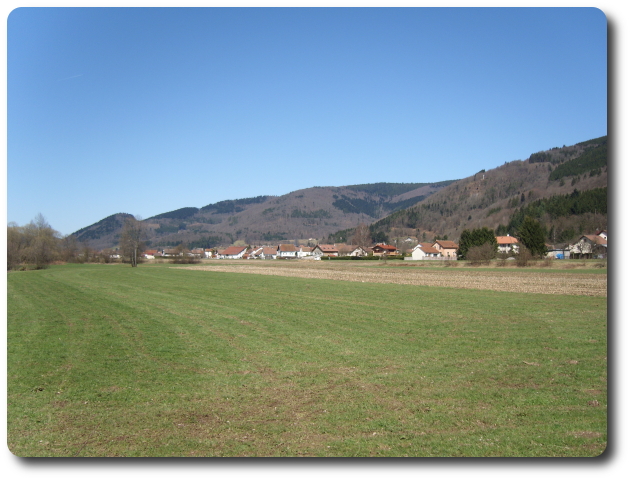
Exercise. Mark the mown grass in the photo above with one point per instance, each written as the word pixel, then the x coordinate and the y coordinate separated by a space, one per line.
pixel 153 361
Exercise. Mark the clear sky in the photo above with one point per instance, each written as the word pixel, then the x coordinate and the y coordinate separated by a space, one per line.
pixel 145 111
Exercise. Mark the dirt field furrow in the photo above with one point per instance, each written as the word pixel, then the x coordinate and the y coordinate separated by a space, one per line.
pixel 553 283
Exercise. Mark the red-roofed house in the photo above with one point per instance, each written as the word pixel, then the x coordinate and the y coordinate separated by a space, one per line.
pixel 232 252
pixel 381 249
pixel 507 243
pixel 589 246
pixel 287 251
pixel 325 251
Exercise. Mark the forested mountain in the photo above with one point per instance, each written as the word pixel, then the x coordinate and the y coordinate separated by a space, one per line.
pixel 312 213
pixel 565 188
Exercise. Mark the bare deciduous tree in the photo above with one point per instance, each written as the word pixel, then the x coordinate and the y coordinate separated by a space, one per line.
pixel 362 236
pixel 68 248
pixel 42 242
pixel 131 240
pixel 35 244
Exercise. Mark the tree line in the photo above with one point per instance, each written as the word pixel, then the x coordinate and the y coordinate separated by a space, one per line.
pixel 37 245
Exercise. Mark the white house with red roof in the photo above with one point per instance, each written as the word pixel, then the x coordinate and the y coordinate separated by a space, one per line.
pixel 269 253
pixel 590 246
pixel 507 244
pixel 287 251
pixel 232 252
pixel 425 251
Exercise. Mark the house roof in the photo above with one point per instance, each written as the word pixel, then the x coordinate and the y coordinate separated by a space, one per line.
pixel 390 248
pixel 306 249
pixel 269 251
pixel 506 240
pixel 287 248
pixel 348 248
pixel 446 244
pixel 427 248
pixel 328 248
pixel 596 239
pixel 233 250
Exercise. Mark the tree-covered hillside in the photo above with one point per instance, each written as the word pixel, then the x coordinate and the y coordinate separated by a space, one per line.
pixel 494 198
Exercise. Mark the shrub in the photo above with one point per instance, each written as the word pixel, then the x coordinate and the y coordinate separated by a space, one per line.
pixel 185 260
pixel 547 262
pixel 524 257
pixel 481 254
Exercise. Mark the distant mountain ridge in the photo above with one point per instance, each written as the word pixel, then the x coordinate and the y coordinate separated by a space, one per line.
pixel 300 215
pixel 496 198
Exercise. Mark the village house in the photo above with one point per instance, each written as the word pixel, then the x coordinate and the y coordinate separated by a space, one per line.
pixel 287 251
pixel 424 251
pixel 324 250
pixel 589 246
pixel 380 249
pixel 447 248
pixel 507 244
pixel 269 253
pixel 232 253
pixel 304 251
pixel 351 251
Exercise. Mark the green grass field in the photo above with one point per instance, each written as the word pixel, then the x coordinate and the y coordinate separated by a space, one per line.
pixel 106 360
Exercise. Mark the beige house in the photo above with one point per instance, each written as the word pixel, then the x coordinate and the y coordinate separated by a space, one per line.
pixel 447 248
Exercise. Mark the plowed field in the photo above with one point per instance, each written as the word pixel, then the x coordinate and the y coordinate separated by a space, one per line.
pixel 520 281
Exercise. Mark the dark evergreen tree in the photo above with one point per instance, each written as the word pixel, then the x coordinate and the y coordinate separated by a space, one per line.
pixel 532 236
pixel 476 238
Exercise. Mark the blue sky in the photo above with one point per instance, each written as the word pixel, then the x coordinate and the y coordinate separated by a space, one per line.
pixel 149 110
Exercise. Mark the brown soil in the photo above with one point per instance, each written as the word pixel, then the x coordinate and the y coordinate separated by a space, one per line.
pixel 519 281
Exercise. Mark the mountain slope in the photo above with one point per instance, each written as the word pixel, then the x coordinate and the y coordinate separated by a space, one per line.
pixel 309 213
pixel 493 198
